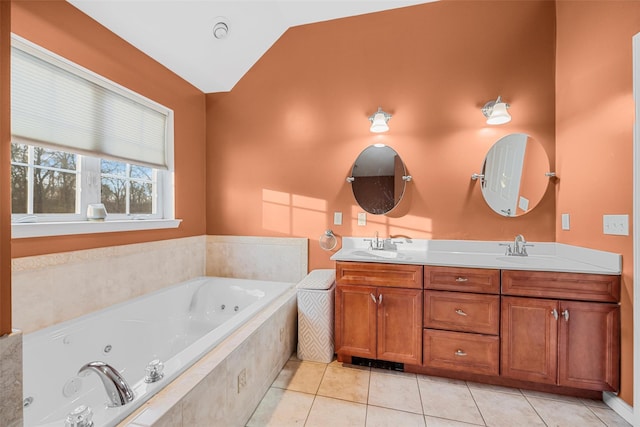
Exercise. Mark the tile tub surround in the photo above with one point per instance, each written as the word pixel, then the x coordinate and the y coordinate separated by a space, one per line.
pixel 208 393
pixel 280 259
pixel 11 379
pixel 50 289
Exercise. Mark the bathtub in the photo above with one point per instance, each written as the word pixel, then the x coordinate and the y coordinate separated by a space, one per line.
pixel 177 325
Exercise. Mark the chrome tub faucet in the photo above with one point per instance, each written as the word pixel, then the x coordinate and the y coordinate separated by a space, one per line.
pixel 115 385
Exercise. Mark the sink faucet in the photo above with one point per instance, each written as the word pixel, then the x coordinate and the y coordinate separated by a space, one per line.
pixel 116 387
pixel 520 246
pixel 376 243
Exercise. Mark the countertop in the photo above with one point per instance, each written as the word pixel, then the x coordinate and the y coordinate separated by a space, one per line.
pixel 542 256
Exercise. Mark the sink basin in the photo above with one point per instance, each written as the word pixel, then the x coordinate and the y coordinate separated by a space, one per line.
pixel 526 260
pixel 377 254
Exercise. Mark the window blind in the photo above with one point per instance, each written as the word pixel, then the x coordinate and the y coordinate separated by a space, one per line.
pixel 61 105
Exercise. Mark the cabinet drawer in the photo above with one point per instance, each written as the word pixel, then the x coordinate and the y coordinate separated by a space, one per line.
pixel 575 286
pixel 373 274
pixel 459 351
pixel 462 279
pixel 463 312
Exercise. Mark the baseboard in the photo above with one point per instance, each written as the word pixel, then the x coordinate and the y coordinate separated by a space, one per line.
pixel 621 407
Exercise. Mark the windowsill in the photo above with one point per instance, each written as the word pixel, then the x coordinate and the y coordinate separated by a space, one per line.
pixel 43 229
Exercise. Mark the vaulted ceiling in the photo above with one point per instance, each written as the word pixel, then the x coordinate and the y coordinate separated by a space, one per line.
pixel 179 33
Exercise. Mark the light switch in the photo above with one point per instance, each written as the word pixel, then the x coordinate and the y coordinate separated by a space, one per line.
pixel 615 224
pixel 565 222
pixel 337 218
pixel 362 218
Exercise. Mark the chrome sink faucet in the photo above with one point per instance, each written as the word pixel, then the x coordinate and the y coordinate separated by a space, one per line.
pixel 115 385
pixel 519 247
pixel 376 243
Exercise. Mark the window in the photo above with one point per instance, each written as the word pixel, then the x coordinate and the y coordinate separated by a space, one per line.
pixel 43 181
pixel 80 139
pixel 48 184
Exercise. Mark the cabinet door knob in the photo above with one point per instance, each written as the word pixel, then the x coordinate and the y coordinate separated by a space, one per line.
pixel 373 297
pixel 460 312
pixel 461 279
pixel 380 299
pixel 554 312
pixel 460 352
pixel 565 314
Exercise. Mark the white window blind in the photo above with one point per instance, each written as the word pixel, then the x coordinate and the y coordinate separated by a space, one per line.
pixel 61 105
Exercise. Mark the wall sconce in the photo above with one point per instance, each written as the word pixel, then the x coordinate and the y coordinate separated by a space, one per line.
pixel 496 112
pixel 379 121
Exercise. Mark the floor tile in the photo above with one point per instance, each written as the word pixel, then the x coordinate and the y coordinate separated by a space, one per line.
pixel 346 383
pixel 501 409
pixel 282 408
pixel 561 413
pixel 492 387
pixel 442 422
pixel 609 417
pixel 450 401
pixel 594 403
pixel 336 413
pixel 385 417
pixel 440 380
pixel 543 395
pixel 394 392
pixel 300 376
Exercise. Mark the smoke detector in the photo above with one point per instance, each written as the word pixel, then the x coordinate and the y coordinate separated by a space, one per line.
pixel 221 29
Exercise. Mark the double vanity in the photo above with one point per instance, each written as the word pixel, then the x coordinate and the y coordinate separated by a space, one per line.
pixel 544 316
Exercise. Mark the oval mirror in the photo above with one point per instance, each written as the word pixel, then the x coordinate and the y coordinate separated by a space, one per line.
pixel 378 179
pixel 514 175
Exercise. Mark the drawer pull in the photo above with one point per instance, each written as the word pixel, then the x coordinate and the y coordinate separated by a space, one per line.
pixel 554 313
pixel 565 314
pixel 373 298
pixel 380 299
pixel 461 279
pixel 460 353
pixel 460 312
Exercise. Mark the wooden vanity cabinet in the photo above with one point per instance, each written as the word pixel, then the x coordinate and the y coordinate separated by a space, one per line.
pixel 378 312
pixel 572 342
pixel 462 319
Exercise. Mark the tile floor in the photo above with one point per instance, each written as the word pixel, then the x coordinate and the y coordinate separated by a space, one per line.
pixel 332 395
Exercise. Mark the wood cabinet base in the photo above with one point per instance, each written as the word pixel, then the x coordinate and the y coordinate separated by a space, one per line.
pixel 505 382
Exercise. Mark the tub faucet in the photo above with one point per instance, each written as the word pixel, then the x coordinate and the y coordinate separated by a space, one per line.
pixel 116 387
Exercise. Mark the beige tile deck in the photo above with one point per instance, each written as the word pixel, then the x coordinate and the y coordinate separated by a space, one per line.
pixel 314 394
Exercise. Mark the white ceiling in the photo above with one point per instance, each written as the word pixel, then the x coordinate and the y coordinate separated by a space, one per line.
pixel 179 33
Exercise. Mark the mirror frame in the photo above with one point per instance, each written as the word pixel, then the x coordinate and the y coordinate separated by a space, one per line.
pixel 515 175
pixel 378 179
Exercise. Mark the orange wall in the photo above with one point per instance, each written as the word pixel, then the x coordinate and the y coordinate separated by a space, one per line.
pixel 61 28
pixel 5 175
pixel 594 136
pixel 282 142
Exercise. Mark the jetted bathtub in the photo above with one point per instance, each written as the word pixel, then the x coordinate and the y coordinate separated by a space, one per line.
pixel 176 326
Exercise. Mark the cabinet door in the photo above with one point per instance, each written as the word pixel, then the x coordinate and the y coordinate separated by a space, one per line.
pixel 356 321
pixel 589 345
pixel 400 325
pixel 529 339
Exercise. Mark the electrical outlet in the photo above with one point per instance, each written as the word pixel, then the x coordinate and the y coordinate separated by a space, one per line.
pixel 242 380
pixel 615 224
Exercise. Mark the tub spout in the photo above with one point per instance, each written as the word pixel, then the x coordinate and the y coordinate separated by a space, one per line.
pixel 116 387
